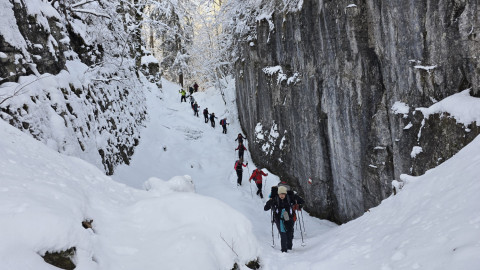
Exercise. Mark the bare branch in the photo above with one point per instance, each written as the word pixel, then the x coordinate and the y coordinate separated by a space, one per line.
pixel 18 90
pixel 230 246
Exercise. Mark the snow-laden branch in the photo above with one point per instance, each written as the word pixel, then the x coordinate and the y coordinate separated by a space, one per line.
pixel 84 2
pixel 110 79
pixel 90 12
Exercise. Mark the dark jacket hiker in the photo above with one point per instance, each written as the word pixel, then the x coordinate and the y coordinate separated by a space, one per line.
pixel 205 114
pixel 282 206
pixel 238 168
pixel 195 109
pixel 240 149
pixel 240 138
pixel 212 119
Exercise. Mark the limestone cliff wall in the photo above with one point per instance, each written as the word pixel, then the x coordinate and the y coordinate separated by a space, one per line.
pixel 316 88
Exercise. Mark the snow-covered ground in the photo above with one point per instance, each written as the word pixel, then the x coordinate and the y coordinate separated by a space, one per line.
pixel 144 222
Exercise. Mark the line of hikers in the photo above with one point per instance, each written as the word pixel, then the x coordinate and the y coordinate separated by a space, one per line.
pixel 283 203
pixel 195 107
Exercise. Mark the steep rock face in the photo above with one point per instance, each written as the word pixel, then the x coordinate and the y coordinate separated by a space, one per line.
pixel 316 86
pixel 69 75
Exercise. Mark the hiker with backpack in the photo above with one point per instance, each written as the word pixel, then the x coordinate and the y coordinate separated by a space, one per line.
pixel 212 119
pixel 238 168
pixel 282 204
pixel 240 149
pixel 190 90
pixel 184 97
pixel 257 178
pixel 224 124
pixel 205 114
pixel 195 109
pixel 240 138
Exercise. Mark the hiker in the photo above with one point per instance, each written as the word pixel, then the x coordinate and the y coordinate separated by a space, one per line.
pixel 240 138
pixel 195 109
pixel 240 149
pixel 238 168
pixel 184 97
pixel 195 85
pixel 282 205
pixel 257 178
pixel 190 89
pixel 205 114
pixel 192 101
pixel 224 124
pixel 212 119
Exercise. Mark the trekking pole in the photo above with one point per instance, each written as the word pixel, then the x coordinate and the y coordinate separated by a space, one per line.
pixel 251 192
pixel 301 232
pixel 264 184
pixel 273 237
pixel 301 213
pixel 250 182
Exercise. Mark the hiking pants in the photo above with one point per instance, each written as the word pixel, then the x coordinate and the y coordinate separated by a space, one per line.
pixel 259 191
pixel 183 98
pixel 196 113
pixel 286 238
pixel 240 154
pixel 212 122
pixel 290 237
pixel 206 118
pixel 224 129
pixel 239 176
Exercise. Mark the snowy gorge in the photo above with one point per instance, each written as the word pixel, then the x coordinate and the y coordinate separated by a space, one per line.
pixel 192 220
pixel 102 165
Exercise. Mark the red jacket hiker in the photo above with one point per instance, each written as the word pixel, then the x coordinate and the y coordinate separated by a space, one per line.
pixel 257 176
pixel 241 147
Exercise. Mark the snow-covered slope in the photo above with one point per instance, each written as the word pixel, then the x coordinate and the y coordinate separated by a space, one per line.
pixel 45 196
pixel 433 223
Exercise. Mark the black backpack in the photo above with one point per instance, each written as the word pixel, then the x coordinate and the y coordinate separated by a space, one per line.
pixel 238 166
pixel 274 192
